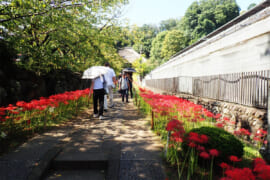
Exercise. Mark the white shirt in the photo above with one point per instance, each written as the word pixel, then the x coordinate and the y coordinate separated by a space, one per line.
pixel 109 77
pixel 98 83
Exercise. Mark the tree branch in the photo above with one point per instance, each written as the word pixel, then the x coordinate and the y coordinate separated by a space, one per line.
pixel 17 16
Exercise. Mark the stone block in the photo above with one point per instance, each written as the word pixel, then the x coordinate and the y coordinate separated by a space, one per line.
pixel 236 108
pixel 243 117
pixel 226 111
pixel 260 114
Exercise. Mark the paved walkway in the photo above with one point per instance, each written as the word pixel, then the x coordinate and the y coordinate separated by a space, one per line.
pixel 120 147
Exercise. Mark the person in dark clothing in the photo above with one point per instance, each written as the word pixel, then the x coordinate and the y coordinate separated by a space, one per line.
pixel 130 80
pixel 124 87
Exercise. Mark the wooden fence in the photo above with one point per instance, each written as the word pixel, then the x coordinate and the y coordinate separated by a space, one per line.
pixel 247 88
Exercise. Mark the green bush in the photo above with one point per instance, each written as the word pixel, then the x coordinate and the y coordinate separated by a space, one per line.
pixel 226 143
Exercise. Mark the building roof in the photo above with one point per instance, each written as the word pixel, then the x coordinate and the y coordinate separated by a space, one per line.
pixel 130 54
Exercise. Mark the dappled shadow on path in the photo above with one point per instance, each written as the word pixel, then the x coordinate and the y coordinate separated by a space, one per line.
pixel 122 145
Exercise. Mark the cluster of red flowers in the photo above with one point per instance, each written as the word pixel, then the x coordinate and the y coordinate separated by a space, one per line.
pixel 177 129
pixel 260 170
pixel 167 104
pixel 196 140
pixel 225 121
pixel 242 132
pixel 260 136
pixel 41 104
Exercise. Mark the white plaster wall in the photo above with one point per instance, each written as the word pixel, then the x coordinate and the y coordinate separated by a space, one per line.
pixel 243 47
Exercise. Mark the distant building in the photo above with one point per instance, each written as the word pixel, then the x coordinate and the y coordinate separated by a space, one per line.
pixel 130 54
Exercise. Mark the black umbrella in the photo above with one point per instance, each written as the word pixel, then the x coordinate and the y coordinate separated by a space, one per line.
pixel 129 70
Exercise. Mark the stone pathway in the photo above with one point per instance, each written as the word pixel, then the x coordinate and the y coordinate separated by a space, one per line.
pixel 120 147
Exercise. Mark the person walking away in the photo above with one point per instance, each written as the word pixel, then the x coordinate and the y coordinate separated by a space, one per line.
pixel 130 80
pixel 118 83
pixel 98 91
pixel 123 87
pixel 111 81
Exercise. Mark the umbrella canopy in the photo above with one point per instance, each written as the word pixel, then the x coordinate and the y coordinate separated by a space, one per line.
pixel 129 70
pixel 95 71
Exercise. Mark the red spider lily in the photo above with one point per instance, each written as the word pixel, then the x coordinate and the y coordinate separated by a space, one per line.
pixel 261 169
pixel 226 119
pixel 213 152
pixel 261 133
pixel 217 116
pixel 200 148
pixel 201 119
pixel 224 165
pixel 11 107
pixel 20 103
pixel 242 131
pixel 245 131
pixel 220 125
pixel 196 138
pixel 192 145
pixel 209 114
pixel 178 133
pixel 14 112
pixel 174 125
pixel 235 159
pixel 2 113
pixel 237 174
pixel 178 139
pixel 204 138
pixel 204 155
pixel 257 139
pixel 2 119
pixel 225 178
pixel 258 161
pixel 193 120
pixel 192 136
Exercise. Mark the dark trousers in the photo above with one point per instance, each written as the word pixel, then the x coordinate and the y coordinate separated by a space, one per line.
pixel 98 99
pixel 130 90
pixel 124 92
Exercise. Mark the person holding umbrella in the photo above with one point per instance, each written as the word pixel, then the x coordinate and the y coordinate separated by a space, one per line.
pixel 124 86
pixel 97 88
pixel 98 91
pixel 129 72
pixel 130 80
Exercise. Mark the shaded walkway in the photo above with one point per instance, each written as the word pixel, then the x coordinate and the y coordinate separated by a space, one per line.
pixel 120 147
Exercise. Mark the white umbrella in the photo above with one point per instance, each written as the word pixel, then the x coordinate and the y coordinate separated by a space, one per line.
pixel 95 71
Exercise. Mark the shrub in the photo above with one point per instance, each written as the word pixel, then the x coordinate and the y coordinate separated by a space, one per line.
pixel 226 143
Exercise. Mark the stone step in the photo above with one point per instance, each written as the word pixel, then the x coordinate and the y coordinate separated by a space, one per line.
pixel 76 159
pixel 76 175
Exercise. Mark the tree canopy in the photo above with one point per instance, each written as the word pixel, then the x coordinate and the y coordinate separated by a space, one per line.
pixel 204 16
pixel 58 34
pixel 143 37
pixel 201 18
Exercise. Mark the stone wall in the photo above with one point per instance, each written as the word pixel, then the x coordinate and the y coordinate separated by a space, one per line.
pixel 240 116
